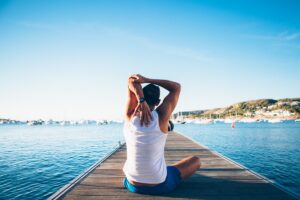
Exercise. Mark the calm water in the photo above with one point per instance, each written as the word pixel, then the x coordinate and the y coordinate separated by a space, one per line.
pixel 272 150
pixel 36 161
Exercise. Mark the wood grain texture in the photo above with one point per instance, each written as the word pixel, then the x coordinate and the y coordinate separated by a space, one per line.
pixel 218 178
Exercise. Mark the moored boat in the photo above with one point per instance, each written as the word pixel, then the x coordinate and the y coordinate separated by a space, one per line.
pixel 248 120
pixel 274 120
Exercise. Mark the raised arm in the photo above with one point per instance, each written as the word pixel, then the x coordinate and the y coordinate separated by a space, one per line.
pixel 132 101
pixel 170 101
pixel 135 93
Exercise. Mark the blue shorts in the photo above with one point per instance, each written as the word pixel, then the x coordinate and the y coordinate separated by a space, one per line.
pixel 172 181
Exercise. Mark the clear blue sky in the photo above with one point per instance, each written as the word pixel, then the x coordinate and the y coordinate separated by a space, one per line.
pixel 71 59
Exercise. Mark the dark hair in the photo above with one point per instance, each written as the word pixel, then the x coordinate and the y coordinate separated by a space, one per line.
pixel 151 94
pixel 170 126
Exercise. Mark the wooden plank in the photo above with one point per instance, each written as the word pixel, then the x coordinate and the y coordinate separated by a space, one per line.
pixel 218 177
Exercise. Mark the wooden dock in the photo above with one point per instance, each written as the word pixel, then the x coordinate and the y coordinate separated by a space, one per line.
pixel 218 177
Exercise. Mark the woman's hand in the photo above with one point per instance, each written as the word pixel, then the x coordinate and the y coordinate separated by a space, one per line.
pixel 139 78
pixel 144 113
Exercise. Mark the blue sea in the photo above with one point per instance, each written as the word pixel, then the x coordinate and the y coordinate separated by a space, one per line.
pixel 35 161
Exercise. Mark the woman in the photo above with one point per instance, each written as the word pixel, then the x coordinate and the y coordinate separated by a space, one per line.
pixel 145 132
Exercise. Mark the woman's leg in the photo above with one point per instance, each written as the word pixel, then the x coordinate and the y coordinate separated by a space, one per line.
pixel 188 166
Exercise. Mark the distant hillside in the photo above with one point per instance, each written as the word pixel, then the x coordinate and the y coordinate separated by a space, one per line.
pixel 268 108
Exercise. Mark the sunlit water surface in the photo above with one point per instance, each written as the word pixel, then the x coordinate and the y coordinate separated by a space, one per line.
pixel 272 150
pixel 35 161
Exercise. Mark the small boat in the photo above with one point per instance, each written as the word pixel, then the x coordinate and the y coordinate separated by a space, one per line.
pixel 218 120
pixel 274 120
pixel 248 120
pixel 34 123
pixel 179 119
pixel 297 120
pixel 64 123
pixel 228 121
pixel 204 121
pixel 188 121
pixel 73 123
pixel 49 122
pixel 102 122
pixel 83 122
pixel 30 123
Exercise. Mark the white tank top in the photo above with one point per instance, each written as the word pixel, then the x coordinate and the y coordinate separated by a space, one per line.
pixel 145 151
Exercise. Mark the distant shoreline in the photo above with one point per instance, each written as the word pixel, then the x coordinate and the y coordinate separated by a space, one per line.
pixel 261 109
pixel 248 111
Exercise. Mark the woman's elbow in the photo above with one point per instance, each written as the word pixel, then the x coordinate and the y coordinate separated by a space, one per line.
pixel 178 87
pixel 130 80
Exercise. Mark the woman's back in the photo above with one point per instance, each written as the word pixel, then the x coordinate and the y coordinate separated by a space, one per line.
pixel 145 151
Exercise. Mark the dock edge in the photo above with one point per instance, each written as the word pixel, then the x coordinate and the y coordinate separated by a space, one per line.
pixel 66 188
pixel 272 182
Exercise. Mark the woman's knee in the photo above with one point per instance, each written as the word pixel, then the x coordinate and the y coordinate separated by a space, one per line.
pixel 196 161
